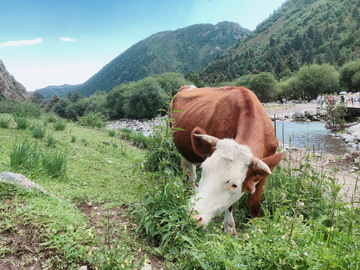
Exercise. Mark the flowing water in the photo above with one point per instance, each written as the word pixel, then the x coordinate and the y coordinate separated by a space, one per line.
pixel 312 135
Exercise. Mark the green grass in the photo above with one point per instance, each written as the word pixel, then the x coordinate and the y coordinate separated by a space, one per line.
pixel 109 213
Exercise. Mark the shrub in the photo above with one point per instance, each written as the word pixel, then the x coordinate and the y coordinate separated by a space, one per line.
pixel 55 164
pixel 22 122
pixel 91 120
pixel 38 130
pixel 50 140
pixel 5 121
pixel 60 124
pixel 27 109
pixel 111 132
pixel 140 140
pixel 50 118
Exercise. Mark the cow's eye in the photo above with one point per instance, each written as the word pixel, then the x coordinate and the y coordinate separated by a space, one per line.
pixel 234 185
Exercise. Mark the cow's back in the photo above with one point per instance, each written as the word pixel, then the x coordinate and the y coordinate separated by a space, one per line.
pixel 226 112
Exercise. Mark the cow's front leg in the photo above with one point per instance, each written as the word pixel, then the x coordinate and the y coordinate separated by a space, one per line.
pixel 229 223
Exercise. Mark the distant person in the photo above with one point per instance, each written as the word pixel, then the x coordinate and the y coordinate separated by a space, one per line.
pixel 331 100
pixel 309 99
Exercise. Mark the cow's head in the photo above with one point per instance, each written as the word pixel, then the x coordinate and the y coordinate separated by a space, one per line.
pixel 225 173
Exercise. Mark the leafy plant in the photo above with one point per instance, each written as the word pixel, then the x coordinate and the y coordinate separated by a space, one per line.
pixel 140 140
pixel 22 122
pixel 111 132
pixel 60 124
pixel 51 140
pixel 5 121
pixel 91 120
pixel 38 130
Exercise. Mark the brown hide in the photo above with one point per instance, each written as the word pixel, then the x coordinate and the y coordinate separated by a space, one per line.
pixel 226 112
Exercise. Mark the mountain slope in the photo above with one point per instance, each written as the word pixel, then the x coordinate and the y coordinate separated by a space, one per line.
pixel 9 87
pixel 60 90
pixel 170 51
pixel 301 32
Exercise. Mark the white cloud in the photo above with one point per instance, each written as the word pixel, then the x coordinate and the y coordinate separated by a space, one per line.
pixel 67 39
pixel 21 42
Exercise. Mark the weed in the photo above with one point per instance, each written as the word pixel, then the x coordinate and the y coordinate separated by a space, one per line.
pixel 50 117
pixel 73 138
pixel 140 140
pixel 5 121
pixel 22 122
pixel 38 130
pixel 91 120
pixel 51 140
pixel 55 164
pixel 111 132
pixel 84 141
pixel 60 124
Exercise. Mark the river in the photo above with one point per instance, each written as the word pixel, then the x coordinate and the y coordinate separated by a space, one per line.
pixel 309 134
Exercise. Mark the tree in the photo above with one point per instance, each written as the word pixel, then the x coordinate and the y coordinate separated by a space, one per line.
pixel 347 72
pixel 263 85
pixel 38 97
pixel 195 78
pixel 318 79
pixel 75 97
pixel 297 42
pixel 292 63
pixel 55 99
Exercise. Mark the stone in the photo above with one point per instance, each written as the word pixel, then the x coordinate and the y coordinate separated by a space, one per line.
pixel 281 117
pixel 354 129
pixel 84 267
pixel 355 168
pixel 310 113
pixel 299 114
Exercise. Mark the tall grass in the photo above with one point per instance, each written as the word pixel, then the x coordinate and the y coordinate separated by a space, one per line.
pixel 22 122
pixel 30 157
pixel 5 121
pixel 304 222
pixel 38 130
pixel 60 124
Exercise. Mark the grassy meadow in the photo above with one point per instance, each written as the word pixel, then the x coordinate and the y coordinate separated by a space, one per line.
pixel 110 205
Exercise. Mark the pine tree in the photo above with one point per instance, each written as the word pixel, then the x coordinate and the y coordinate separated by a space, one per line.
pixel 267 67
pixel 329 56
pixel 292 63
pixel 310 56
pixel 297 42
pixel 280 66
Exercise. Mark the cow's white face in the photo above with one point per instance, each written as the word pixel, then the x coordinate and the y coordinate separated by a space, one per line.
pixel 223 174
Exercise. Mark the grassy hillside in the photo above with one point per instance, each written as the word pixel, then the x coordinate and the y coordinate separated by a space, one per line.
pixel 171 51
pixel 301 32
pixel 107 212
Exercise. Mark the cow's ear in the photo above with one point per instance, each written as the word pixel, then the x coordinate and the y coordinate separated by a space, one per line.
pixel 201 147
pixel 271 161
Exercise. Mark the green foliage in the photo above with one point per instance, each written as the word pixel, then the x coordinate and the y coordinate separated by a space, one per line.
pixel 140 140
pixel 22 122
pixel 171 51
pixel 298 33
pixel 26 109
pixel 60 124
pixel 318 79
pixel 111 132
pixel 349 75
pixel 31 157
pixel 162 154
pixel 51 140
pixel 194 78
pixel 263 85
pixel 55 164
pixel 38 130
pixel 145 100
pixel 5 121
pixel 91 120
pixel 335 117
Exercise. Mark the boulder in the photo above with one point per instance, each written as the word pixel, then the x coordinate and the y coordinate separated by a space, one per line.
pixel 299 114
pixel 354 129
pixel 310 113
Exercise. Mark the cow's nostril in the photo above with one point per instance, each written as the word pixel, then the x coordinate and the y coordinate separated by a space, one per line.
pixel 199 219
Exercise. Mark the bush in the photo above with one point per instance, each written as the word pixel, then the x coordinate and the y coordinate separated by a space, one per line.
pixel 55 164
pixel 50 140
pixel 111 132
pixel 22 122
pixel 140 140
pixel 5 121
pixel 27 109
pixel 60 124
pixel 91 120
pixel 38 130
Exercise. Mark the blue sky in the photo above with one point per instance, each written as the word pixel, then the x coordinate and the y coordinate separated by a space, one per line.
pixel 53 42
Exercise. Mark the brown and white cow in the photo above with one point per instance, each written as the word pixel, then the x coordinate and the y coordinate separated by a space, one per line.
pixel 229 132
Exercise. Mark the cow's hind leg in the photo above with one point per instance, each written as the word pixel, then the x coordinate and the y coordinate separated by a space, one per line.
pixel 229 223
pixel 192 168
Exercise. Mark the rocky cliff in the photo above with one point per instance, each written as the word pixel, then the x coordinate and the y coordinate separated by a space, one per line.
pixel 9 87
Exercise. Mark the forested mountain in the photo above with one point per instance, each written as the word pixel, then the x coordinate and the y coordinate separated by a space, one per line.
pixel 301 32
pixel 61 90
pixel 178 51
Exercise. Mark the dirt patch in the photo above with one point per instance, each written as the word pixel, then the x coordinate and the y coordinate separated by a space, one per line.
pixel 114 218
pixel 21 247
pixel 276 108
